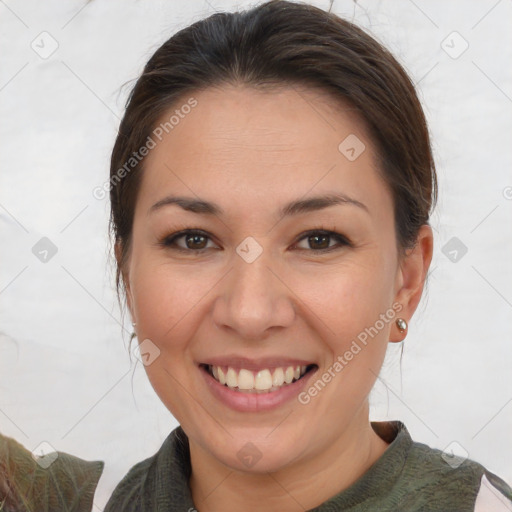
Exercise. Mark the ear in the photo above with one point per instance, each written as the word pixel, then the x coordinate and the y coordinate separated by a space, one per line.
pixel 410 278
pixel 118 250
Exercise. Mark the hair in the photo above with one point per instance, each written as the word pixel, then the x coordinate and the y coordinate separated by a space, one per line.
pixel 276 44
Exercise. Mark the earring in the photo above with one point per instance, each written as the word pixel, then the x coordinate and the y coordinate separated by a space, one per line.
pixel 401 324
pixel 134 324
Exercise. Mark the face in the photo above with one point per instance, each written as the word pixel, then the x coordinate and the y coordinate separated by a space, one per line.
pixel 256 286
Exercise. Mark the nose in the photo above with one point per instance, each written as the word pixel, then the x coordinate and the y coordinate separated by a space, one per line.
pixel 254 300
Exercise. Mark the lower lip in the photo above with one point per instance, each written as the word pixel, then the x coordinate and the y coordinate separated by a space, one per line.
pixel 255 402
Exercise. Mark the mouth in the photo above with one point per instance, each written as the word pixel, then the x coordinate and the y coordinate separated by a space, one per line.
pixel 259 381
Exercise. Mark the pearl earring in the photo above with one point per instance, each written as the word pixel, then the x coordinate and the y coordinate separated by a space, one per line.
pixel 401 324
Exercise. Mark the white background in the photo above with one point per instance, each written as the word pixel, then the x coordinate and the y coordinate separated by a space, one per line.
pixel 65 371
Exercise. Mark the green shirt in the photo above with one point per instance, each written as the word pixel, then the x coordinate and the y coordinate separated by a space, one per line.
pixel 409 476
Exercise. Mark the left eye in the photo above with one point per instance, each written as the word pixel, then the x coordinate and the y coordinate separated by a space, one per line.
pixel 320 240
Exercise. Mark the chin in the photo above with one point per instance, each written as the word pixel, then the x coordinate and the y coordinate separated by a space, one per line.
pixel 256 451
pixel 250 459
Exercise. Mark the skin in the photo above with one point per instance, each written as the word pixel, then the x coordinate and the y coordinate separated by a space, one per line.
pixel 251 152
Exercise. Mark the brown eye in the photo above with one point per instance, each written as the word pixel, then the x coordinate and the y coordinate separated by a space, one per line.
pixel 321 241
pixel 187 241
pixel 195 241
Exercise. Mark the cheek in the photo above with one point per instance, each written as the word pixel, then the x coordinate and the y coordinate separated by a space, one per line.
pixel 166 302
pixel 355 337
pixel 170 302
pixel 347 298
pixel 163 298
pixel 349 303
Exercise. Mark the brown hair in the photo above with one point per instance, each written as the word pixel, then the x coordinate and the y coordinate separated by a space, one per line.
pixel 279 43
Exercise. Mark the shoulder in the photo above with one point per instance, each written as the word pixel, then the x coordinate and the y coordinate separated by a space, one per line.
pixel 493 495
pixel 415 477
pixel 444 481
pixel 147 484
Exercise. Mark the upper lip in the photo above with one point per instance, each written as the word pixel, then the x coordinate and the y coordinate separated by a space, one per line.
pixel 236 361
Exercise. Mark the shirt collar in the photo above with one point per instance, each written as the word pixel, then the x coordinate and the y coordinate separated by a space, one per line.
pixel 171 471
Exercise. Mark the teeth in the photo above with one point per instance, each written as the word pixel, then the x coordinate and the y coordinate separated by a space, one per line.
pixel 231 378
pixel 246 380
pixel 263 381
pixel 278 377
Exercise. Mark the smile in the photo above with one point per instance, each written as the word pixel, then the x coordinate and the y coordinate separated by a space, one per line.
pixel 265 380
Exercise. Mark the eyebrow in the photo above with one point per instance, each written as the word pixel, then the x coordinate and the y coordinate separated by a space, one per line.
pixel 298 207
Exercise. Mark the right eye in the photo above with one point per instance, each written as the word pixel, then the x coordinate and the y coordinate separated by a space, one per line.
pixel 195 241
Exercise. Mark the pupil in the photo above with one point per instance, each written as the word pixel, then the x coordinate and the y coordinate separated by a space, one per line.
pixel 316 237
pixel 195 239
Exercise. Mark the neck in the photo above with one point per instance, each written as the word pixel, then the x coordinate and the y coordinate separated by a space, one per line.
pixel 304 485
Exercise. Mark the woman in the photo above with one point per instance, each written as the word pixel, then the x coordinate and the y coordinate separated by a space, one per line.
pixel 271 186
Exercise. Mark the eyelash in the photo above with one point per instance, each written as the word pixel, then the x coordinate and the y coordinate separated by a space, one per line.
pixel 170 241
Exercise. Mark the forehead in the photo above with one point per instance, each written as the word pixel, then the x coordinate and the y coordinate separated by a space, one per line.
pixel 258 148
